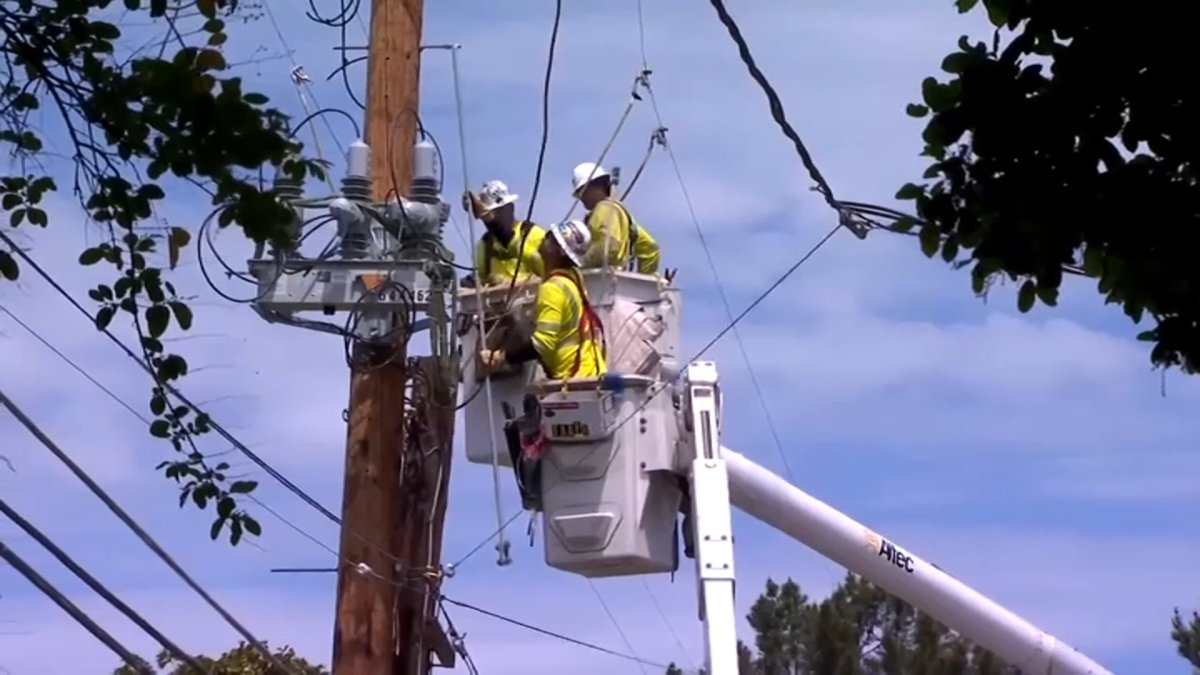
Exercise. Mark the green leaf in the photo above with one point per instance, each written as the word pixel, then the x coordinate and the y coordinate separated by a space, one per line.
pixel 8 266
pixel 243 487
pixel 235 532
pixel 254 98
pixel 936 95
pixel 930 239
pixel 210 59
pixel 183 314
pixel 176 240
pixel 91 256
pixel 158 317
pixel 956 63
pixel 965 6
pixel 909 192
pixel 950 248
pixel 151 191
pixel 1048 295
pixel 916 110
pixel 105 316
pixel 17 217
pixel 251 525
pixel 160 429
pixel 226 506
pixel 215 530
pixel 1026 296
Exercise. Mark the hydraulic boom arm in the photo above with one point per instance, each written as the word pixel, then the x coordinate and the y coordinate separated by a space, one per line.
pixel 840 538
pixel 720 477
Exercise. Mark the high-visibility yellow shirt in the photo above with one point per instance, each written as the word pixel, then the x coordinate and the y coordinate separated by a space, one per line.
pixel 497 265
pixel 611 222
pixel 556 335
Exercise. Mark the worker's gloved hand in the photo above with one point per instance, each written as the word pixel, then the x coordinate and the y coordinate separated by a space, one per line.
pixel 471 204
pixel 669 274
pixel 491 360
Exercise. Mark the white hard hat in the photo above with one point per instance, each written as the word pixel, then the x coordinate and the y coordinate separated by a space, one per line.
pixel 574 238
pixel 586 173
pixel 495 194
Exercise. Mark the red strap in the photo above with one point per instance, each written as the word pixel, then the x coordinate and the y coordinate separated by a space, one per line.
pixel 589 321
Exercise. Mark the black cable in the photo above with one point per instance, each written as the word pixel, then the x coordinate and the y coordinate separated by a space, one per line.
pixel 133 526
pixel 537 177
pixel 99 588
pixel 777 111
pixel 325 111
pixel 9 556
pixel 174 391
pixel 550 633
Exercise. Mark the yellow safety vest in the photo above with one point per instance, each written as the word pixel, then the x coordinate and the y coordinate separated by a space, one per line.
pixel 497 263
pixel 567 333
pixel 629 244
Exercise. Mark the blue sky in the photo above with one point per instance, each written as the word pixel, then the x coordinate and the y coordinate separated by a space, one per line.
pixel 1035 457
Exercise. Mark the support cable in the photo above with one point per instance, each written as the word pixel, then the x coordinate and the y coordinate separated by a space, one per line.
pixel 10 556
pixel 557 636
pixel 502 546
pixel 99 588
pixel 617 624
pixel 129 522
pixel 712 266
pixel 687 658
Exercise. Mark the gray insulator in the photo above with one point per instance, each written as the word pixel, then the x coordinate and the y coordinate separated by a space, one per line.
pixel 355 244
pixel 425 190
pixel 356 188
pixel 288 188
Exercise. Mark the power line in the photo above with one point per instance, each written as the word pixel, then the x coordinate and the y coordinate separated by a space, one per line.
pixel 98 587
pixel 132 524
pixel 69 607
pixel 550 633
pixel 777 111
pixel 617 624
pixel 177 393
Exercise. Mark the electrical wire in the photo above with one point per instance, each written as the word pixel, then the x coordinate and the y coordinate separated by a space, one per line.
pixel 175 391
pixel 27 571
pixel 537 178
pixel 777 111
pixel 670 626
pixel 553 634
pixel 99 588
pixel 133 526
pixel 326 111
pixel 617 624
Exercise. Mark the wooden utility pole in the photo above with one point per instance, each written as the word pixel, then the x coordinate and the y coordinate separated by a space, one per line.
pixel 365 631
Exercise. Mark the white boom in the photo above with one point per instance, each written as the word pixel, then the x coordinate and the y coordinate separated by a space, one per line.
pixel 721 477
pixel 840 538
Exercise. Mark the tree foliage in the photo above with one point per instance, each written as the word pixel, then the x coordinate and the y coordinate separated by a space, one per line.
pixel 858 630
pixel 1071 142
pixel 169 116
pixel 241 660
pixel 1186 635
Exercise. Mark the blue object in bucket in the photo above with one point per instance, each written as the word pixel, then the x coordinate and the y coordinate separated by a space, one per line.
pixel 614 382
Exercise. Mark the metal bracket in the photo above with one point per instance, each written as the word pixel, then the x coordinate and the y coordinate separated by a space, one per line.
pixel 331 286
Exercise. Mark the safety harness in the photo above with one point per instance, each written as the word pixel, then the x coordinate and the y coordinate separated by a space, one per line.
pixel 634 231
pixel 590 327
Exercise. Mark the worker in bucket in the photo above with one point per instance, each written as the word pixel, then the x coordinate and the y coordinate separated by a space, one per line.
pixel 617 239
pixel 568 338
pixel 508 250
